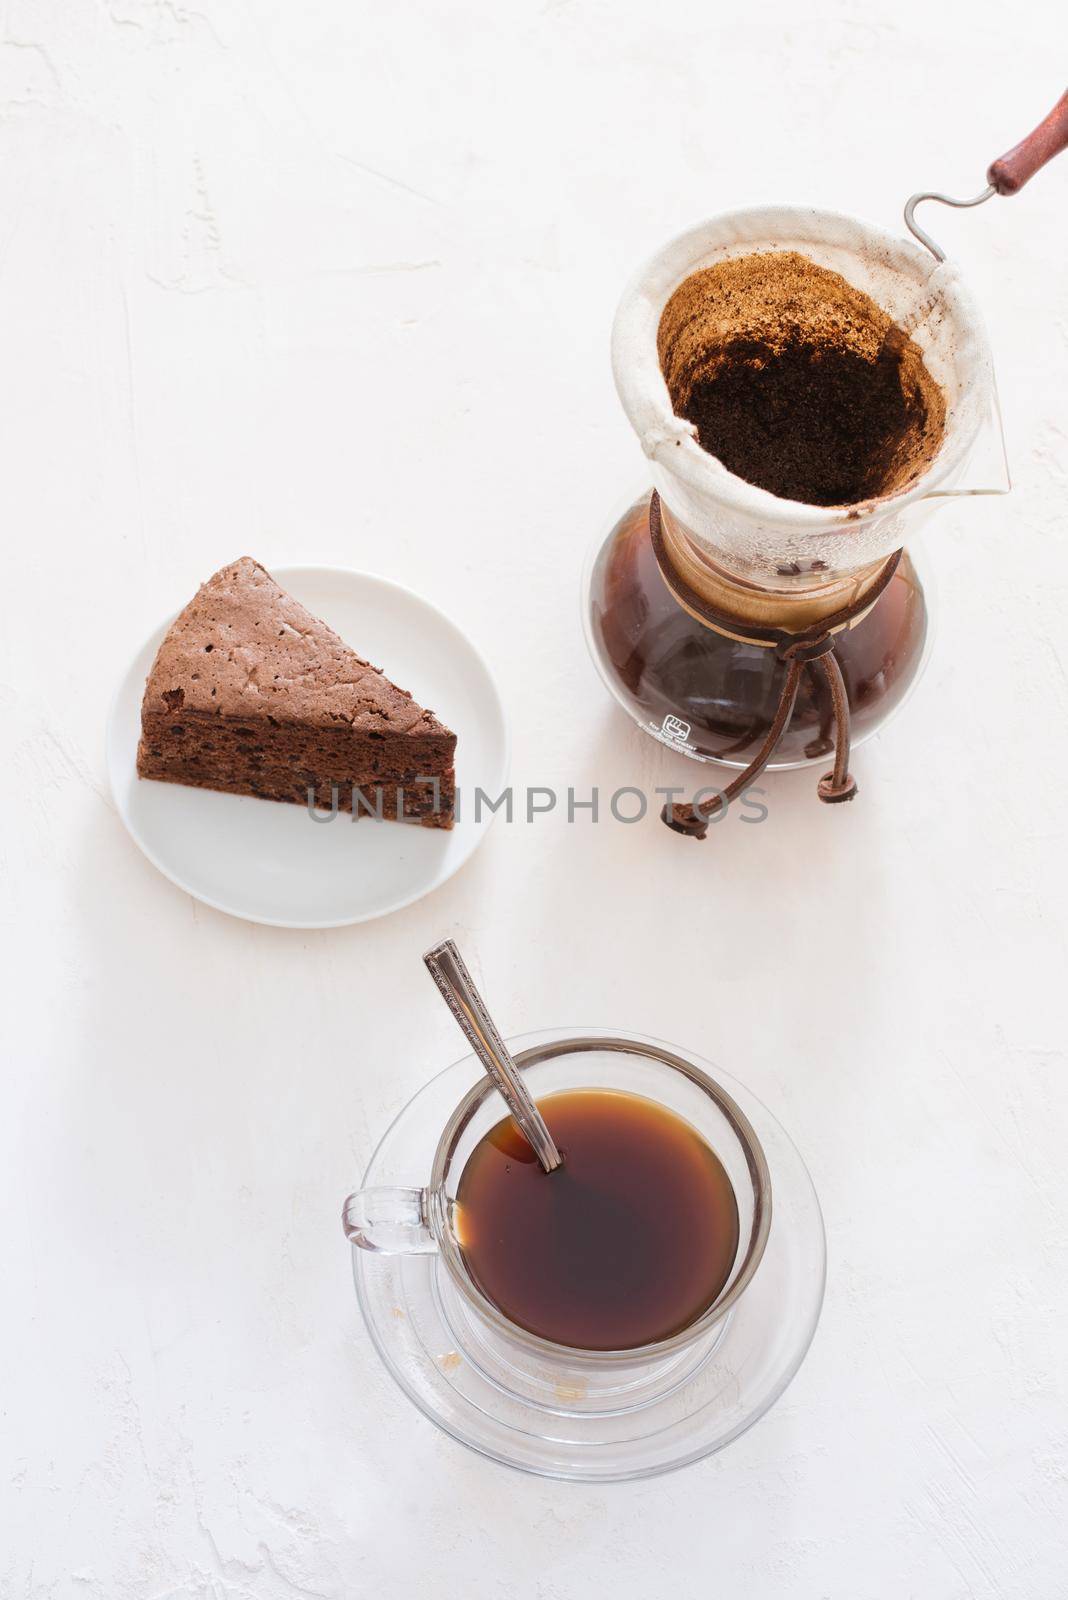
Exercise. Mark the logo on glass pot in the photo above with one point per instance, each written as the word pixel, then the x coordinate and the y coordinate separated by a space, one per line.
pixel 675 729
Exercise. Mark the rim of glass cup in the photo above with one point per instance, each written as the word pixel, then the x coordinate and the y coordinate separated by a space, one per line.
pixel 622 1044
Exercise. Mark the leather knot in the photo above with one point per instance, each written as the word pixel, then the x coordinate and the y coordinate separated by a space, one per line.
pixel 832 793
pixel 685 819
pixel 802 649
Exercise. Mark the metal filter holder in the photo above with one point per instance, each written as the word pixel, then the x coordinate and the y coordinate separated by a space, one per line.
pixel 1005 176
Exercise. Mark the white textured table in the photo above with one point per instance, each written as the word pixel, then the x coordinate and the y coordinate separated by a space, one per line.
pixel 334 282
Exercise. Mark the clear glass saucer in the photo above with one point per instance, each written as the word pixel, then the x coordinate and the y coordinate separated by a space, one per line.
pixel 648 1421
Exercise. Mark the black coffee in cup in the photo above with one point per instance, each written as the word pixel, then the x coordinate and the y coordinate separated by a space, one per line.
pixel 628 1243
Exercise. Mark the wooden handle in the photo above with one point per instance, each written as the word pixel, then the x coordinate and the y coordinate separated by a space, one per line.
pixel 1010 172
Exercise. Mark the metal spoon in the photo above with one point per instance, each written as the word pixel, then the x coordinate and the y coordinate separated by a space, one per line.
pixel 446 966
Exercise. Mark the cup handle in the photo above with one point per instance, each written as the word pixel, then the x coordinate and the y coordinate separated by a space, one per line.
pixel 389 1221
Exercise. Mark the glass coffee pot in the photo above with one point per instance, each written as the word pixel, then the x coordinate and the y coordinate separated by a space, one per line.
pixel 738 618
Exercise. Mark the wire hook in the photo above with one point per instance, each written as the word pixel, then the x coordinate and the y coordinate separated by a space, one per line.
pixel 946 200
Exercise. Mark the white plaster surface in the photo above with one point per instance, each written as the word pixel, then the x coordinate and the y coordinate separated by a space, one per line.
pixel 333 282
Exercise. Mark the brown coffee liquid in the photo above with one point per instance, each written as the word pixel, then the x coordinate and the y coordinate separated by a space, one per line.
pixel 627 1243
pixel 666 663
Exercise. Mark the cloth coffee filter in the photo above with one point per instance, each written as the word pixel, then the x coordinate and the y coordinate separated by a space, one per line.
pixel 754 533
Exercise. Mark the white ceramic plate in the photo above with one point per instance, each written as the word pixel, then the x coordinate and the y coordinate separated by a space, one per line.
pixel 269 862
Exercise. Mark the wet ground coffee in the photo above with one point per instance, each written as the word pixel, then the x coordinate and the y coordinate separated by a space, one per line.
pixel 797 381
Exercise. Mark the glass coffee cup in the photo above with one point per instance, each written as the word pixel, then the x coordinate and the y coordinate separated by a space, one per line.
pixel 420 1221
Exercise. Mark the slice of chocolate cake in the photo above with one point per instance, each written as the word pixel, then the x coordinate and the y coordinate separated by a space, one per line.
pixel 251 694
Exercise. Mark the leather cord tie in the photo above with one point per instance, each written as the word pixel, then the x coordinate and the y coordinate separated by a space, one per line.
pixel 810 650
